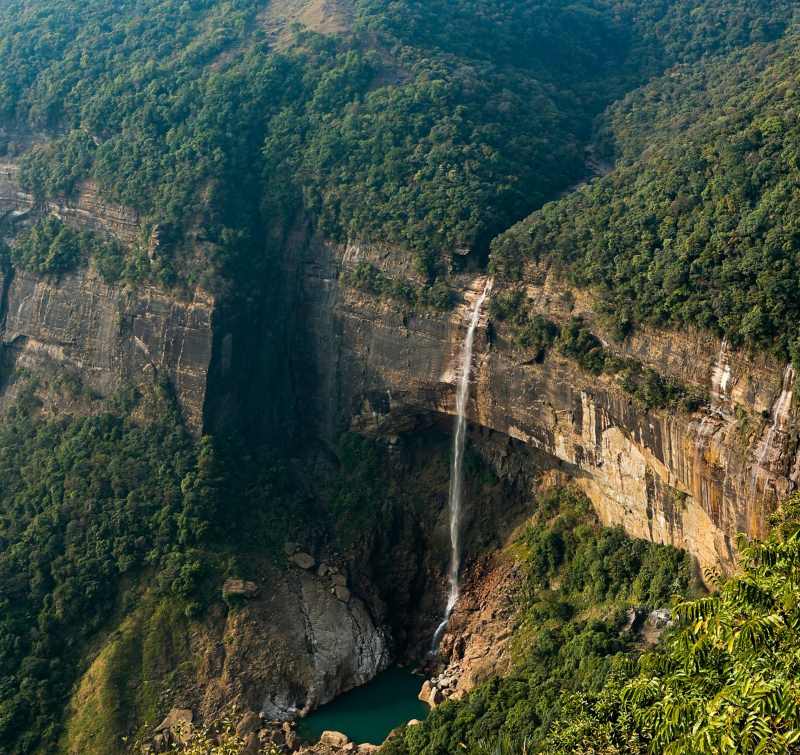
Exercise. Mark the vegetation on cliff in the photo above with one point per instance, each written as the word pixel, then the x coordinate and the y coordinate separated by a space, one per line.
pixel 727 679
pixel 50 247
pixel 369 278
pixel 86 504
pixel 579 581
pixel 700 228
pixel 724 679
pixel 574 340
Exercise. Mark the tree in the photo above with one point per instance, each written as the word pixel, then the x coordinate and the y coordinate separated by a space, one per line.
pixel 728 679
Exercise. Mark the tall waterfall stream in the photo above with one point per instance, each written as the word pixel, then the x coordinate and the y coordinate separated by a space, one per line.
pixel 457 463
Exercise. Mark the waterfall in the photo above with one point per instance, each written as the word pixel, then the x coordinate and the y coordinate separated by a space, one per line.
pixel 456 464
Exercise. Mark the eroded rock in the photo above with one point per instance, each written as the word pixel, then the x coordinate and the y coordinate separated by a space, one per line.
pixel 239 588
pixel 334 739
pixel 177 718
pixel 303 560
pixel 430 694
pixel 342 593
pixel 664 475
pixel 249 723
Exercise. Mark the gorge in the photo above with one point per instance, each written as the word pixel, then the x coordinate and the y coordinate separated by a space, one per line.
pixel 343 340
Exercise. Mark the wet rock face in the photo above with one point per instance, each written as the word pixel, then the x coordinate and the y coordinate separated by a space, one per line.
pixel 348 650
pixel 104 336
pixel 692 480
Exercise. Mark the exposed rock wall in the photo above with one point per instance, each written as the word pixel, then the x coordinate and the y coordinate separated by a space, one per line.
pixel 376 366
pixel 292 650
pixel 87 210
pixel 105 336
pixel 692 480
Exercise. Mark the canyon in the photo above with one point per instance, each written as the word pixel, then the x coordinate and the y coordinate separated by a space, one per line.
pixel 370 364
pixel 337 358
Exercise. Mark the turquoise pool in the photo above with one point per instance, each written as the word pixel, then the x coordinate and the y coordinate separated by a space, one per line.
pixel 369 713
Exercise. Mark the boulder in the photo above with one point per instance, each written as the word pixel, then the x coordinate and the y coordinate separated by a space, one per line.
pixel 414 722
pixel 250 723
pixel 366 749
pixel 430 694
pixel 342 593
pixel 661 618
pixel 252 745
pixel 303 560
pixel 177 718
pixel 334 739
pixel 239 588
pixel 290 548
pixel 340 580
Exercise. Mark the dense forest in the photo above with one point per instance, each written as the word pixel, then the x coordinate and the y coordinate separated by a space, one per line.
pixel 465 133
pixel 424 142
pixel 697 223
pixel 85 503
pixel 435 136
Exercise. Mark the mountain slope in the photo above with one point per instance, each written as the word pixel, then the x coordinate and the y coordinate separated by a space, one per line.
pixel 234 147
pixel 700 226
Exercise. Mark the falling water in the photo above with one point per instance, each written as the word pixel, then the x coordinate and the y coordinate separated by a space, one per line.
pixel 456 463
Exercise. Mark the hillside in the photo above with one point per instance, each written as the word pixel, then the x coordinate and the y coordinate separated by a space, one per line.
pixel 696 224
pixel 242 247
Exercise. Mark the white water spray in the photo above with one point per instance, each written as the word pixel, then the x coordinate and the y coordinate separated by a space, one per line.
pixel 456 464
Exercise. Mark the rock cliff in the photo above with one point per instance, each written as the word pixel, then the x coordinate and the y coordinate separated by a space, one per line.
pixel 103 336
pixel 690 479
pixel 296 647
pixel 288 646
pixel 347 359
pixel 370 364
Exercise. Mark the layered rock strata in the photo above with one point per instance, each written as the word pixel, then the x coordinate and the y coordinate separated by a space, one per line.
pixel 693 480
pixel 103 336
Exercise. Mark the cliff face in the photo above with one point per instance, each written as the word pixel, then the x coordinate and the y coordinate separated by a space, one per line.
pixel 292 649
pixel 103 336
pixel 375 366
pixel 692 480
pixel 318 357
